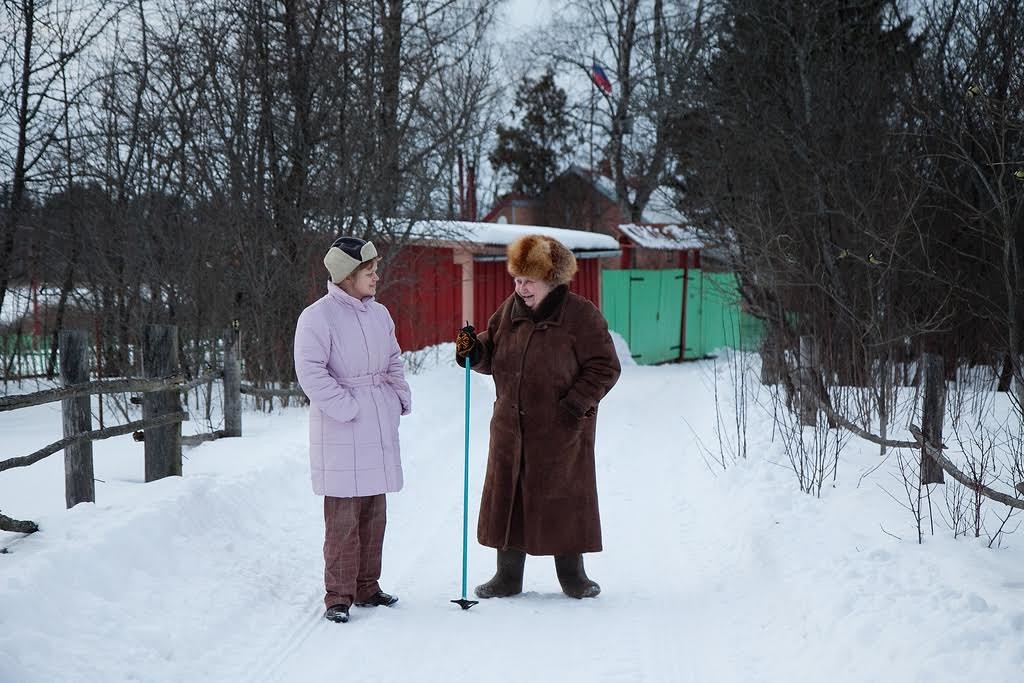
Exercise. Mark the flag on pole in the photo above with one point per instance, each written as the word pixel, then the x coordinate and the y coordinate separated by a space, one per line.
pixel 600 78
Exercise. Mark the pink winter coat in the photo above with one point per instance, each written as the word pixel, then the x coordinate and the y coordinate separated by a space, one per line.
pixel 347 361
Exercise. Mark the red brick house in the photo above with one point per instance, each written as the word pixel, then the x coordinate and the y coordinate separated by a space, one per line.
pixel 584 200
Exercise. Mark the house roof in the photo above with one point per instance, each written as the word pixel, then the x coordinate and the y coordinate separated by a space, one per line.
pixel 601 183
pixel 660 207
pixel 511 199
pixel 503 234
pixel 661 236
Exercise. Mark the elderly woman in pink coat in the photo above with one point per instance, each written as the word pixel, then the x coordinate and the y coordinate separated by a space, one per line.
pixel 348 363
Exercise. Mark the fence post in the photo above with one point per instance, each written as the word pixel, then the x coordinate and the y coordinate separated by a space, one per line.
pixel 76 414
pixel 232 383
pixel 163 444
pixel 772 359
pixel 932 413
pixel 808 366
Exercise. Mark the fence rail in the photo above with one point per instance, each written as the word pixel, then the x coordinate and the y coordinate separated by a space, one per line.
pixel 251 390
pixel 105 386
pixel 94 435
pixel 160 428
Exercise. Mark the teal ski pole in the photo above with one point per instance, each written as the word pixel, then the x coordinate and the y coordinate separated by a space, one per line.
pixel 463 602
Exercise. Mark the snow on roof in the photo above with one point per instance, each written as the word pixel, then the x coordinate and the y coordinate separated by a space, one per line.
pixel 661 236
pixel 661 207
pixel 503 234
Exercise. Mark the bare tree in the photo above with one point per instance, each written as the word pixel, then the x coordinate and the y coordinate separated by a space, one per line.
pixel 211 150
pixel 44 40
pixel 969 95
pixel 650 48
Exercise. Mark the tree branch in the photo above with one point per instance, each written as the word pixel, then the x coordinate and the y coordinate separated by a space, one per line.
pixel 17 526
pixel 951 469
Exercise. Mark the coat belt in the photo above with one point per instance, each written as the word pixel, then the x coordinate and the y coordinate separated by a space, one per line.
pixel 374 380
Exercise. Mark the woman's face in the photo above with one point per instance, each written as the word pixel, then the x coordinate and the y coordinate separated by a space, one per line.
pixel 362 283
pixel 532 291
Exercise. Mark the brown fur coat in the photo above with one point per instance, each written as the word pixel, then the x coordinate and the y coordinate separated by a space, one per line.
pixel 551 368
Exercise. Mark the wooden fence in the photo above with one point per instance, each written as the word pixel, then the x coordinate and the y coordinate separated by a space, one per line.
pixel 162 414
pixel 812 396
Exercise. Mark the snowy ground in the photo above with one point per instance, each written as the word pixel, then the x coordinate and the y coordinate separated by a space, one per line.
pixel 707 575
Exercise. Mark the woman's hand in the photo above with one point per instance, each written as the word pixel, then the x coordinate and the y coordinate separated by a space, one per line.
pixel 467 345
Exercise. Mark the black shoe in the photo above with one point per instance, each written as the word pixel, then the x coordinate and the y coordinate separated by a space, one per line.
pixel 338 614
pixel 378 599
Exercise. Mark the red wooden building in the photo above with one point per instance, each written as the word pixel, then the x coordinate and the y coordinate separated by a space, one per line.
pixel 455 272
pixel 658 247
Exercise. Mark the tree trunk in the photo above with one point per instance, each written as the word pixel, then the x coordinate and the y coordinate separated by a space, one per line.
pixel 772 359
pixel 933 412
pixel 808 367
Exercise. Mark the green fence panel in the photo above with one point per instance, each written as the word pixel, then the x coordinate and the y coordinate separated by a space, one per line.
pixel 31 354
pixel 669 318
pixel 694 343
pixel 751 332
pixel 615 300
pixel 725 325
pixel 644 299
pixel 646 307
pixel 717 330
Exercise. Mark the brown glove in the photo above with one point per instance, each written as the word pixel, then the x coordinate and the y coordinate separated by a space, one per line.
pixel 467 346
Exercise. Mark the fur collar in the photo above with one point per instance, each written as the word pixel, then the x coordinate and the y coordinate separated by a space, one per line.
pixel 550 309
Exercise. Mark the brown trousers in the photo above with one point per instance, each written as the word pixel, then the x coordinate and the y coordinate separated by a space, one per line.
pixel 353 544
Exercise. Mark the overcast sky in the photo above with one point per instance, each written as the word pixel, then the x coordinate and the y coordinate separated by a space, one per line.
pixel 519 14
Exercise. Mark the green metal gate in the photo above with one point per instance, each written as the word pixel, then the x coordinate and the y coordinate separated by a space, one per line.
pixel 646 307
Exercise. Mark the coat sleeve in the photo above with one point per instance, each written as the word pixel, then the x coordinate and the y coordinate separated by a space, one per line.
pixel 396 372
pixel 487 340
pixel 312 349
pixel 599 364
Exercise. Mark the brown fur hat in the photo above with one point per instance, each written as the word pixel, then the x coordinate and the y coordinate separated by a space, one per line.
pixel 541 258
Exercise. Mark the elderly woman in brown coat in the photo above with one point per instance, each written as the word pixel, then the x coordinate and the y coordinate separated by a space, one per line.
pixel 552 361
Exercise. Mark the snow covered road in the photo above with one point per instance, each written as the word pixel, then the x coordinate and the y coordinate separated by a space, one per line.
pixel 707 575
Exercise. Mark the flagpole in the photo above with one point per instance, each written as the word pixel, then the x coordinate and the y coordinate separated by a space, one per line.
pixel 593 60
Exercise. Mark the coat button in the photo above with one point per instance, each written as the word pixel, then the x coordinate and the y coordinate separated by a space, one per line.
pixel 522 412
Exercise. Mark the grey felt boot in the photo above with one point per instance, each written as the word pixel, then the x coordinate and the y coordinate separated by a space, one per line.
pixel 508 580
pixel 573 578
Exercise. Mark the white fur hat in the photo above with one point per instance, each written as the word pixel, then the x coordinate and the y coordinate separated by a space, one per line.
pixel 346 254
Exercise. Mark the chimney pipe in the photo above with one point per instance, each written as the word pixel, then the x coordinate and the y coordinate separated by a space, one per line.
pixel 462 191
pixel 471 193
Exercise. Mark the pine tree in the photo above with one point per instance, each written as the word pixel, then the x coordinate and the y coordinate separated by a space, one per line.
pixel 531 151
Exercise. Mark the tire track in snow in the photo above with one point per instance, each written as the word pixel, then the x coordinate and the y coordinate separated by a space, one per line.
pixel 296 631
pixel 648 538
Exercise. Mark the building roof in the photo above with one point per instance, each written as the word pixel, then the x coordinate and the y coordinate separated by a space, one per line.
pixel 660 206
pixel 661 236
pixel 510 199
pixel 503 234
